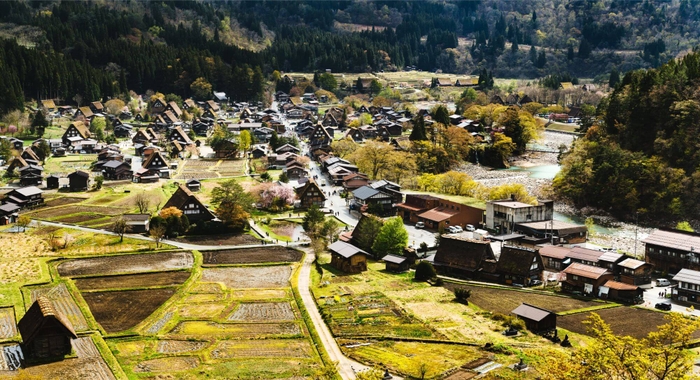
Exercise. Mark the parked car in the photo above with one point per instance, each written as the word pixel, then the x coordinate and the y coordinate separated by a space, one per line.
pixel 663 305
pixel 457 229
pixel 451 230
pixel 470 228
pixel 420 225
pixel 663 282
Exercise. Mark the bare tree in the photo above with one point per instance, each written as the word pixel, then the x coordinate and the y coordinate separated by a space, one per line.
pixel 120 227
pixel 67 239
pixel 143 203
pixel 157 234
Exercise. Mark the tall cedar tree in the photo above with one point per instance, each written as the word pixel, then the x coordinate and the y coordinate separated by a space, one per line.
pixel 418 132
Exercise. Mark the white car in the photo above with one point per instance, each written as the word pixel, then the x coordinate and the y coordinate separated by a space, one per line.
pixel 420 225
pixel 457 229
pixel 663 282
pixel 470 228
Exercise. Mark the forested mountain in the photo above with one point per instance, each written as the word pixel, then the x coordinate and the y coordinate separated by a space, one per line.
pixel 643 153
pixel 99 49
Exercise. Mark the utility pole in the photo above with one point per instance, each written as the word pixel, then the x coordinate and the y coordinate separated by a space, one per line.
pixel 636 222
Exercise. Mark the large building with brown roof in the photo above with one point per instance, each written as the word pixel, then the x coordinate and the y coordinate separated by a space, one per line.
pixel 438 213
pixel 671 251
pixel 76 132
pixel 310 194
pixel 518 265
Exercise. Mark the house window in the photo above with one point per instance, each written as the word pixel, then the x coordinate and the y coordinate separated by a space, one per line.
pixel 651 249
pixel 533 266
pixel 574 277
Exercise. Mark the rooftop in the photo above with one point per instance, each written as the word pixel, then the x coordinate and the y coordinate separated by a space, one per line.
pixel 583 270
pixel 688 275
pixel 344 249
pixel 674 240
pixel 531 312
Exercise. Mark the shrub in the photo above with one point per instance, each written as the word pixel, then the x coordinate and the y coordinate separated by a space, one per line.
pixel 424 271
pixel 509 321
pixel 462 294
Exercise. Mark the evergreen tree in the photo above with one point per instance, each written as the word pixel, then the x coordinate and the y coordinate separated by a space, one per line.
pixel 39 123
pixel 418 132
pixel 541 59
pixel 584 49
pixel 570 53
pixel 614 78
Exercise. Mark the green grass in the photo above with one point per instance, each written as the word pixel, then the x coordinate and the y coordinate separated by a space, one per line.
pixel 469 201
pixel 562 127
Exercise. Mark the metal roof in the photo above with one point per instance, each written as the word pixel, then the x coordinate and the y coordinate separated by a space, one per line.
pixel 394 259
pixel 531 312
pixel 674 240
pixel 365 192
pixel 344 249
pixel 583 270
pixel 688 275
pixel 631 263
pixel 620 285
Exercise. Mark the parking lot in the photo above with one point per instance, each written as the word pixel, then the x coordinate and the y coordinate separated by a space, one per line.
pixel 658 294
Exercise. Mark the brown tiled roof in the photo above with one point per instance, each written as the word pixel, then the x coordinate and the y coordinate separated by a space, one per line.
pixel 41 312
pixel 587 271
pixel 620 285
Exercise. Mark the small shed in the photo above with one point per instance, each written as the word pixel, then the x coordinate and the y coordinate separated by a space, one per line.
pixel 536 319
pixel 138 223
pixel 193 184
pixel 621 291
pixel 46 332
pixel 348 258
pixel 396 263
pixel 78 180
pixel 52 181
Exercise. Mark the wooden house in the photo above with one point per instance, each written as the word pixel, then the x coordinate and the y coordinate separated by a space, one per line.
pixel 9 213
pixel 464 257
pixel 554 257
pixel 688 289
pixel 193 184
pixel 76 132
pixel 329 120
pixel 226 149
pixel 536 319
pixel 189 104
pixel 190 205
pixel 517 265
pixel 157 163
pixel 620 291
pixel 320 139
pixel 115 170
pixel 175 109
pixel 79 181
pixel 46 332
pixel 48 105
pixel 295 170
pixel 585 279
pixel 438 213
pixel 145 136
pixel 30 175
pixel 347 258
pixel 396 264
pixel 367 199
pixel 25 197
pixel 354 181
pixel 310 194
pixel 169 117
pixel 158 106
pixel 211 105
pixel 52 181
pixel 286 148
pixel 635 272
pixel 672 250
pixel 85 112
pixel 97 107
pixel 30 155
pixel 179 135
pixel 567 233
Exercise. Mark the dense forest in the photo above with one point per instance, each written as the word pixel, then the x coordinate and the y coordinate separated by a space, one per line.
pixel 61 49
pixel 644 146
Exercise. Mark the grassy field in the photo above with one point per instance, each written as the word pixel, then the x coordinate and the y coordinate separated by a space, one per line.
pixel 388 320
pixel 469 201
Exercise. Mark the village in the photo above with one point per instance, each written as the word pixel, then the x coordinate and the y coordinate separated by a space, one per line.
pixel 240 240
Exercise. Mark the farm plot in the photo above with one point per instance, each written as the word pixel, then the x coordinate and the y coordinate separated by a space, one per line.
pixel 57 212
pixel 197 169
pixel 263 311
pixel 19 270
pixel 499 300
pixel 171 364
pixel 202 310
pixel 132 281
pixel 623 320
pixel 88 364
pixel 149 262
pixel 122 310
pixel 179 346
pixel 63 201
pixel 259 294
pixel 258 277
pixel 229 239
pixel 236 330
pixel 268 348
pixel 230 168
pixel 8 328
pixel 63 302
pixel 371 314
pixel 252 255
pixel 18 245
